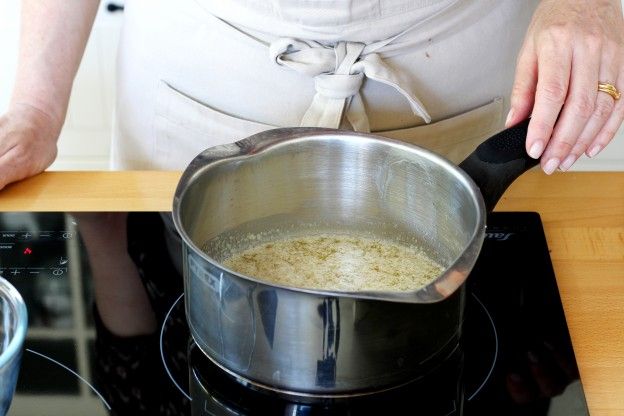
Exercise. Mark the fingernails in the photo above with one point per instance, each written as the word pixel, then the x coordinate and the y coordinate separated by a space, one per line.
pixel 594 150
pixel 567 163
pixel 551 165
pixel 509 117
pixel 536 149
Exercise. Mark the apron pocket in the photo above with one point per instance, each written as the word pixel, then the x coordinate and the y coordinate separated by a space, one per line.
pixel 184 127
pixel 455 137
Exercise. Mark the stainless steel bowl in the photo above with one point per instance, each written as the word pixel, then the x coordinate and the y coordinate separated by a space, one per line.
pixel 323 342
pixel 13 323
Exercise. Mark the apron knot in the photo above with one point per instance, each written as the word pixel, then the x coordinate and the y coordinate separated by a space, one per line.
pixel 338 72
pixel 338 86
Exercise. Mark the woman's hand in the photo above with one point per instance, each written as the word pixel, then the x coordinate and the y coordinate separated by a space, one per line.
pixel 570 47
pixel 27 142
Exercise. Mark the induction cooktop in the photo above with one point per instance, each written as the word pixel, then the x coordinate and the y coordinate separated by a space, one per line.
pixel 515 357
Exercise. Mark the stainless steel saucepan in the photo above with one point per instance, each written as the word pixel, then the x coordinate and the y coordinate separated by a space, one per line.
pixel 323 342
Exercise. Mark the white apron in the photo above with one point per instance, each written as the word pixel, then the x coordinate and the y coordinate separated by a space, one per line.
pixel 197 73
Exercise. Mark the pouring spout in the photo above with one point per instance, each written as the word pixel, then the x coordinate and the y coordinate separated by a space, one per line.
pixel 498 161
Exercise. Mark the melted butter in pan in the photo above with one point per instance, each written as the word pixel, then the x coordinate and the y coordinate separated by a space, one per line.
pixel 337 262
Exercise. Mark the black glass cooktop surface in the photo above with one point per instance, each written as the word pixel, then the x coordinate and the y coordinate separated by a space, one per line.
pixel 515 358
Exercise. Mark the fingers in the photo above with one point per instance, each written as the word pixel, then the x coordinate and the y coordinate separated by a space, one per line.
pixel 523 91
pixel 10 170
pixel 23 160
pixel 578 107
pixel 612 124
pixel 603 110
pixel 554 66
pixel 27 144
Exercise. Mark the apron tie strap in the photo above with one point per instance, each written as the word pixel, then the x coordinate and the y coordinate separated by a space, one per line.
pixel 338 73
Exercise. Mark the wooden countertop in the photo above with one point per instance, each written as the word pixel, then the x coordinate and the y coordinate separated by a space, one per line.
pixel 583 215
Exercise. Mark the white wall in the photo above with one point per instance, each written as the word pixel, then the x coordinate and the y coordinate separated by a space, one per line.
pixel 84 141
pixel 9 35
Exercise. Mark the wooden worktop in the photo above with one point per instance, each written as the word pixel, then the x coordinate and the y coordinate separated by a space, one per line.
pixel 583 216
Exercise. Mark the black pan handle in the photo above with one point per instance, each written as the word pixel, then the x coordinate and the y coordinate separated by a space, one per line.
pixel 498 161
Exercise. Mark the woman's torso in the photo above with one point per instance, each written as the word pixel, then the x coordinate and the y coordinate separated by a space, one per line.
pixel 199 72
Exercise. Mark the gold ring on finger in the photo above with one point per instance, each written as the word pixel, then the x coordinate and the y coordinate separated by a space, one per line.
pixel 609 89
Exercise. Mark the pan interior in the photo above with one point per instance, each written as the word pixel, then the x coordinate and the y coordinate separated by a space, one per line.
pixel 347 184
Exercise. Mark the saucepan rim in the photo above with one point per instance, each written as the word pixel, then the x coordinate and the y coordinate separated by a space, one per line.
pixel 456 273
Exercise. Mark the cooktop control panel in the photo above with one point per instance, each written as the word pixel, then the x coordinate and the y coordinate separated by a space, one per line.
pixel 36 245
pixel 30 253
pixel 40 254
